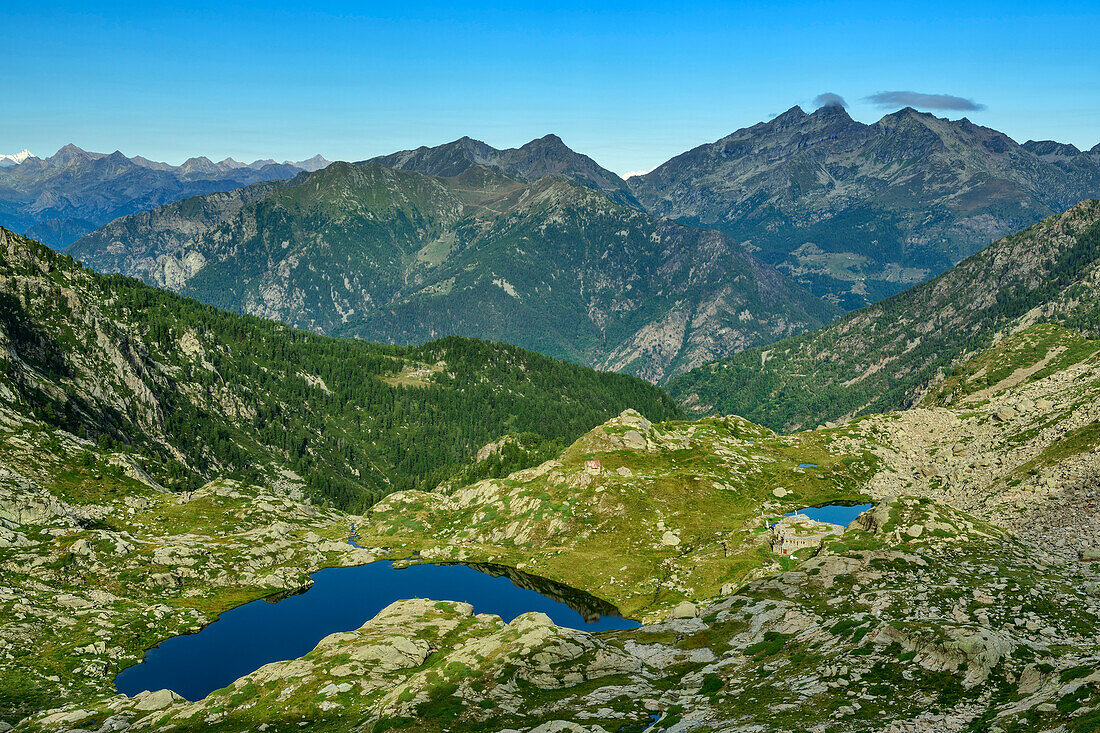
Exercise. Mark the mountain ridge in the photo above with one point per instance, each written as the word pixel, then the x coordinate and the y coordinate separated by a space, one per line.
pixel 856 212
pixel 540 157
pixel 886 355
pixel 399 256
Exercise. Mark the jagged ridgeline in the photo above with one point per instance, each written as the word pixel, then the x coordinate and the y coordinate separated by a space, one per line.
pixel 856 212
pixel 201 393
pixel 885 356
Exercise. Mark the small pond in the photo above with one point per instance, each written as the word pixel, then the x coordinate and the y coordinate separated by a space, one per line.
pixel 841 514
pixel 245 638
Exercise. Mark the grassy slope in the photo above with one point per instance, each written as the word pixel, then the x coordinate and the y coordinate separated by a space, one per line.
pixel 905 624
pixel 704 481
pixel 879 358
pixel 59 602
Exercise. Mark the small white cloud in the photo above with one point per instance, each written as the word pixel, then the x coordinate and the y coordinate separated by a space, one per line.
pixel 631 174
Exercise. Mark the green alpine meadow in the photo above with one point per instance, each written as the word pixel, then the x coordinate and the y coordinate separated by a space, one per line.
pixel 541 374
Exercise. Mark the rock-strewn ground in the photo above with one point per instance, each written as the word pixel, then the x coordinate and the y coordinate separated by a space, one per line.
pixel 962 627
pixel 99 562
pixel 963 601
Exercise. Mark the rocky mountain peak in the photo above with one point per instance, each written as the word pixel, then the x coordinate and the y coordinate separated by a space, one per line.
pixel 198 163
pixel 317 162
pixel 1046 148
pixel 69 153
pixel 794 114
pixel 830 110
pixel 550 140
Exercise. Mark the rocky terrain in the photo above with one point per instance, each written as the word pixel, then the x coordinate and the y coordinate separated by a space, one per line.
pixel 859 212
pixel 63 197
pixel 938 609
pixel 886 356
pixel 401 257
pixel 967 598
pixel 100 561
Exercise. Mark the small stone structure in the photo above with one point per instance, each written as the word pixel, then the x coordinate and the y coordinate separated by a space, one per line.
pixel 797 532
pixel 592 466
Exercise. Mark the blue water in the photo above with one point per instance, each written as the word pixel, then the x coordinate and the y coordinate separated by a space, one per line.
pixel 833 513
pixel 807 465
pixel 247 637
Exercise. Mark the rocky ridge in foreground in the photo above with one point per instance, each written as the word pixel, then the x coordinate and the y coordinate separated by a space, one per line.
pixel 936 610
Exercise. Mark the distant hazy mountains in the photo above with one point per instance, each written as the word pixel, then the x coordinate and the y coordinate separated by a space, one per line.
pixel 58 199
pixel 857 212
pixel 399 256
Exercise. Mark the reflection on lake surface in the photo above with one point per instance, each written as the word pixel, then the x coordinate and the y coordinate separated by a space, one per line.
pixel 841 514
pixel 247 637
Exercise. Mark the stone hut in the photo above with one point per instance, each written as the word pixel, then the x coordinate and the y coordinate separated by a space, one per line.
pixel 798 531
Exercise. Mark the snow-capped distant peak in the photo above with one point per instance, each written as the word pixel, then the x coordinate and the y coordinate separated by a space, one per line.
pixel 18 157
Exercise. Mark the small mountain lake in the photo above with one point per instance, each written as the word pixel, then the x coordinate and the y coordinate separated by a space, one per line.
pixel 245 638
pixel 841 514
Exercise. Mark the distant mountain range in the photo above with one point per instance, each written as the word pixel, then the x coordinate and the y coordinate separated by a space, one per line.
pixel 888 355
pixel 858 212
pixel 399 256
pixel 60 198
pixel 541 246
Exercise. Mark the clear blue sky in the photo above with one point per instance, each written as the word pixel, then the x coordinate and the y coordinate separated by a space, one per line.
pixel 629 84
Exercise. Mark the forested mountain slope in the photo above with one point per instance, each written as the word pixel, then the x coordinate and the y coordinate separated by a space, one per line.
pixel 201 393
pixel 883 356
pixel 402 257
pixel 858 212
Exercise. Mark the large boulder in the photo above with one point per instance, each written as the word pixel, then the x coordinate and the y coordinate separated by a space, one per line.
pixel 157 700
pixel 686 609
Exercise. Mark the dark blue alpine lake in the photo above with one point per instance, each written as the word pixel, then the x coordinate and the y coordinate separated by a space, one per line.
pixel 841 514
pixel 245 638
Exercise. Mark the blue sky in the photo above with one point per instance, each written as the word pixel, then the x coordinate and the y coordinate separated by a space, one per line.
pixel 629 84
